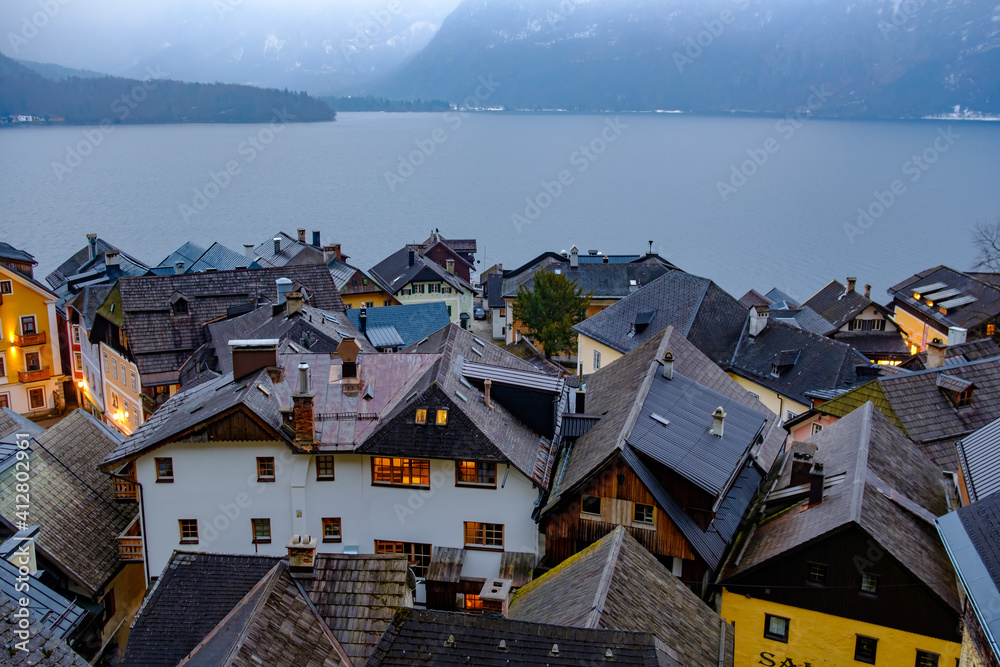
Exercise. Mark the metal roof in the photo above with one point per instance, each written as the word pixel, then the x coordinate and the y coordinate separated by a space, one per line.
pixel 513 377
pixel 923 289
pixel 384 336
pixel 59 614
pixel 980 458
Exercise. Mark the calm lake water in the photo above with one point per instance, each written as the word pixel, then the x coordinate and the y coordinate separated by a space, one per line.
pixel 787 216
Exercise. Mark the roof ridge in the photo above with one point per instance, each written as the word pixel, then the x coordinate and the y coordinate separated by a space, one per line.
pixel 861 462
pixel 701 302
pixel 640 395
pixel 604 585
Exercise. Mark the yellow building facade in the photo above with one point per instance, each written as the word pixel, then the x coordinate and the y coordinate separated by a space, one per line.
pixel 31 371
pixel 780 405
pixel 122 391
pixel 822 640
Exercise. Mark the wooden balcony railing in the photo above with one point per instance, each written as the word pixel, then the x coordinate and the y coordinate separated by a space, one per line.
pixel 130 542
pixel 34 376
pixel 30 339
pixel 126 491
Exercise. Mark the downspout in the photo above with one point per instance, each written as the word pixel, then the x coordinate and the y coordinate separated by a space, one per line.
pixel 724 629
pixel 142 523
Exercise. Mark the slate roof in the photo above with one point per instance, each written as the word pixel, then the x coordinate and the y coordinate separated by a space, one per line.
pixel 972 350
pixel 80 266
pixel 971 537
pixel 292 252
pixel 68 491
pixel 197 259
pixel 777 296
pixel 875 344
pixel 276 625
pixel 617 584
pixel 754 298
pixel 604 281
pixel 890 491
pixel 979 457
pixel 415 634
pixel 802 318
pixel 413 322
pixel 838 306
pixel 822 363
pixel 44 648
pixel 7 251
pixel 161 342
pixel 87 302
pixel 395 272
pixel 986 303
pixel 696 307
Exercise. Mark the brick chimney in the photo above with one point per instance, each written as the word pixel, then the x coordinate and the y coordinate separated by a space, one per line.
pixel 302 556
pixel 420 249
pixel 803 455
pixel 293 303
pixel 816 479
pixel 496 596
pixel 668 365
pixel 250 356
pixel 851 283
pixel 718 422
pixel 302 409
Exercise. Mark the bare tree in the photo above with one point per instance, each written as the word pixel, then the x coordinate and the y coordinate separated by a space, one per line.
pixel 986 239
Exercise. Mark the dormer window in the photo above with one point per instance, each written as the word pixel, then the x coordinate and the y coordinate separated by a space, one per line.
pixel 958 390
pixel 178 305
pixel 784 361
pixel 964 399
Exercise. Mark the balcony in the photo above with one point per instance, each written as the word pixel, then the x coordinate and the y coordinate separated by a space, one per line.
pixel 34 376
pixel 30 339
pixel 126 491
pixel 130 542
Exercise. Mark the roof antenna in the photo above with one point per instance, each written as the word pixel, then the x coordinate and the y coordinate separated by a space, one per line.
pixel 650 247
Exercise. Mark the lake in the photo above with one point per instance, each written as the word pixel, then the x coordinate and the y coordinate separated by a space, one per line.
pixel 747 201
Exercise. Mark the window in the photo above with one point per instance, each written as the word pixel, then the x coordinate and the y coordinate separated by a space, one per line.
pixel 4 400
pixel 817 574
pixel 324 468
pixel 123 371
pixel 105 353
pixel 28 325
pixel 78 361
pixel 134 416
pixel 134 382
pixel 859 324
pixel 261 531
pixel 114 368
pixel 472 603
pixel 964 399
pixel 991 329
pixel 6 287
pixel 401 472
pixel 789 415
pixel 76 334
pixel 597 360
pixel 816 427
pixel 591 505
pixel 776 628
pixel 864 649
pixel 421 416
pixel 386 302
pixel 164 470
pixel 189 531
pixel 3 368
pixel 642 513
pixel 484 535
pixel 36 398
pixel 265 468
pixel 419 555
pixel 869 583
pixel 32 361
pixel 179 307
pixel 442 417
pixel 474 473
pixel 109 606
pixel 331 529
pixel 927 659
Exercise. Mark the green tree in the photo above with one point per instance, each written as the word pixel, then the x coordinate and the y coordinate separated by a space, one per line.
pixel 550 309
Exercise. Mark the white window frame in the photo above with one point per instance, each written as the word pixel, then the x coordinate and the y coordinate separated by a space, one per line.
pixel 133 381
pixel 3 368
pixel 816 428
pixel 597 360
pixel 45 402
pixel 10 287
pixel 5 395
pixel 76 334
pixel 78 361
pixel 20 323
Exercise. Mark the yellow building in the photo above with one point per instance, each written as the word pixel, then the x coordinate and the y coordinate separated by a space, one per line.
pixel 31 371
pixel 122 391
pixel 843 565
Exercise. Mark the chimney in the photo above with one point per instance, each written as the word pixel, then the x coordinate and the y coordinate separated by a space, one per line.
pixel 316 242
pixel 496 596
pixel 409 261
pixel 450 265
pixel 868 291
pixel 420 249
pixel 851 282
pixel 718 422
pixel 816 480
pixel 574 257
pixel 248 251
pixel 605 260
pixel 301 556
pixel 937 352
pixel 758 318
pixel 293 303
pixel 91 246
pixel 178 267
pixel 250 356
pixel 284 286
pixel 957 335
pixel 336 251
pixel 112 257
pixel 487 386
pixel 301 234
pixel 277 245
pixel 302 409
pixel 668 365
pixel 363 320
pixel 803 454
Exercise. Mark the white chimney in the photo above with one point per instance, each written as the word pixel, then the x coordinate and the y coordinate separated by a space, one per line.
pixel 112 257
pixel 178 267
pixel 303 378
pixel 277 245
pixel 248 251
pixel 284 286
pixel 302 556
pixel 574 257
pixel 668 365
pixel 758 318
pixel 937 352
pixel 957 335
pixel 718 422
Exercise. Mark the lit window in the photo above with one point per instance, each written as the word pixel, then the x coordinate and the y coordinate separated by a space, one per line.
pixel 474 473
pixel 472 603
pixel 642 513
pixel 484 535
pixel 927 659
pixel 864 649
pixel 265 468
pixel 964 399
pixel 401 472
pixel 36 398
pixel 164 470
pixel 991 329
pixel 261 531
pixel 817 574
pixel 189 531
pixel 324 468
pixel 331 529
pixel 78 361
pixel 869 583
pixel 442 417
pixel 421 417
pixel 776 627
pixel 816 428
pixel 591 505
pixel 418 555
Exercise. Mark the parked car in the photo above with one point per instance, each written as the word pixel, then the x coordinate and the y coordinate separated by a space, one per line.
pixel 479 313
